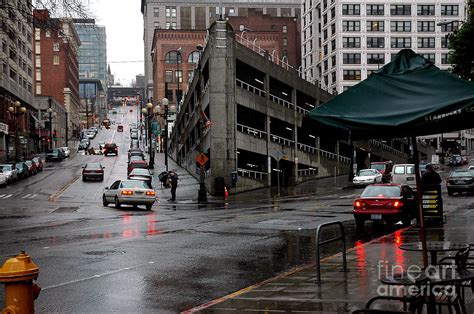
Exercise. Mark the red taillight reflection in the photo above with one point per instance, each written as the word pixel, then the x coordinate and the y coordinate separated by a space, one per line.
pixel 358 204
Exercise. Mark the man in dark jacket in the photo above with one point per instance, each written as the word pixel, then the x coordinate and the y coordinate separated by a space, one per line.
pixel 173 177
pixel 430 177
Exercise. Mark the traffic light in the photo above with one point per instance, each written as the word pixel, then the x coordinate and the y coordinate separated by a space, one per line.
pixel 49 139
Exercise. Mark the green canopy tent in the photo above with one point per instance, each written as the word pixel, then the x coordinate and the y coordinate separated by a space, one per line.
pixel 407 97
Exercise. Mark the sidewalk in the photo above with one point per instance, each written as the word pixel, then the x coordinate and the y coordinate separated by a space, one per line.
pixel 343 292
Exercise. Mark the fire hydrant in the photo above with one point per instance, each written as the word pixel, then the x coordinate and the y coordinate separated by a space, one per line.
pixel 18 274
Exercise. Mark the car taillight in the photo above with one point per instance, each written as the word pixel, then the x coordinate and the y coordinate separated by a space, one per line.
pixel 397 204
pixel 150 193
pixel 358 204
pixel 126 192
pixel 116 149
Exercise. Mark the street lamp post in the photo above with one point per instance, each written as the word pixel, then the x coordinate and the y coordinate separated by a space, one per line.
pixel 167 111
pixel 149 114
pixel 17 110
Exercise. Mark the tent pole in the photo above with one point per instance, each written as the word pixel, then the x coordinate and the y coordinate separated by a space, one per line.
pixel 353 161
pixel 421 219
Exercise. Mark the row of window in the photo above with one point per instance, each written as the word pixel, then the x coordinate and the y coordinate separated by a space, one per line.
pixel 398 26
pixel 395 42
pixel 379 58
pixel 400 9
pixel 14 76
pixel 174 57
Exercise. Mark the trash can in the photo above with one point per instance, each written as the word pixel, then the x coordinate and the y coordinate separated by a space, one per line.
pixel 219 184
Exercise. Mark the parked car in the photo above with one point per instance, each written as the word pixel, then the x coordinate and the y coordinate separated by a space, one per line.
pixel 39 163
pixel 134 144
pixel 367 176
pixel 385 168
pixel 129 192
pixel 120 128
pixel 385 202
pixel 136 164
pixel 66 151
pixel 135 158
pixel 141 174
pixel 91 135
pixel 93 171
pixel 110 148
pixel 95 129
pixel 22 170
pixel 455 160
pixel 101 145
pixel 3 179
pixel 134 135
pixel 55 154
pixel 31 167
pixel 404 174
pixel 460 181
pixel 9 170
pixel 84 144
pixel 135 152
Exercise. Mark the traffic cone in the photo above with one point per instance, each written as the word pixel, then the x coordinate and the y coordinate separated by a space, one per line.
pixel 226 193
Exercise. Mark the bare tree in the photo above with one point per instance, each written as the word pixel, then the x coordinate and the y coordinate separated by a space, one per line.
pixel 75 9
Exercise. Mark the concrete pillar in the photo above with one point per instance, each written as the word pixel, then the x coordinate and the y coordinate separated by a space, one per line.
pixel 295 134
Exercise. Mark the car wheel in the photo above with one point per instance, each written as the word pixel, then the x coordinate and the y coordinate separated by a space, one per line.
pixel 117 203
pixel 406 221
pixel 360 223
pixel 83 179
pixel 104 201
pixel 148 206
pixel 450 193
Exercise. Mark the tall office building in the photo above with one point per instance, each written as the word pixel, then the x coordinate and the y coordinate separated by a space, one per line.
pixel 343 41
pixel 196 15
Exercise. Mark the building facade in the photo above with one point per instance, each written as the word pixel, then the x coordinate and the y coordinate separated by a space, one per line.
pixel 343 42
pixel 194 15
pixel 56 49
pixel 16 79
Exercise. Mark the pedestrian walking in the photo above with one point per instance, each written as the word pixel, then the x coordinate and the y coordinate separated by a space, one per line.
pixel 430 177
pixel 173 179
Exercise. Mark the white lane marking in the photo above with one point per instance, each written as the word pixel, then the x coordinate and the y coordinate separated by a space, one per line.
pixel 26 196
pixel 2 195
pixel 347 196
pixel 33 196
pixel 8 196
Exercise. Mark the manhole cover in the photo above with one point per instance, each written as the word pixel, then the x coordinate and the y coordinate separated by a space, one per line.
pixel 65 209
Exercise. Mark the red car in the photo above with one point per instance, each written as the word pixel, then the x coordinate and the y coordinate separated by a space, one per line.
pixel 384 167
pixel 136 164
pixel 389 203
pixel 32 168
pixel 120 128
pixel 39 163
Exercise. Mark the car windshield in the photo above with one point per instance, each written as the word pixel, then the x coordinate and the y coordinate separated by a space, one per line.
pixel 461 174
pixel 6 167
pixel 381 191
pixel 366 173
pixel 141 172
pixel 134 184
pixel 93 166
pixel 28 163
pixel 378 166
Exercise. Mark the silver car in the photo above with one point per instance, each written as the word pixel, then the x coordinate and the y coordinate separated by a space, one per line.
pixel 66 151
pixel 129 192
pixel 3 179
pixel 10 172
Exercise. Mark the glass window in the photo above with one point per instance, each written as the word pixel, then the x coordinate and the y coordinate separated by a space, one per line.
pixel 375 58
pixel 179 76
pixel 333 61
pixel 193 57
pixel 400 9
pixel 156 12
pixel 285 41
pixel 56 47
pixel 351 75
pixel 351 42
pixel 333 28
pixel 426 42
pixel 285 29
pixel 333 45
pixel 426 26
pixel 351 58
pixel 375 26
pixel 351 9
pixel 55 60
pixel 428 56
pixel 400 42
pixel 351 26
pixel 428 9
pixel 444 58
pixel 375 42
pixel 169 76
pixel 333 77
pixel 450 26
pixel 173 57
pixel 449 10
pixel 333 12
pixel 444 42
pixel 400 26
pixel 375 9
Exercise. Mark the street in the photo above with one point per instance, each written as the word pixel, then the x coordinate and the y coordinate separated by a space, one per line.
pixel 176 256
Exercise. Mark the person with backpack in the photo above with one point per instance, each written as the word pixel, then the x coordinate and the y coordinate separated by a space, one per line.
pixel 173 179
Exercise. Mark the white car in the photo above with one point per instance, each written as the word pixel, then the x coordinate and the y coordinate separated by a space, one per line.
pixel 129 192
pixel 367 176
pixel 10 172
pixel 3 180
pixel 91 134
pixel 66 151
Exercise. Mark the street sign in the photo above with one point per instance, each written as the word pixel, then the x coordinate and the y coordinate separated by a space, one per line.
pixel 202 159
pixel 435 159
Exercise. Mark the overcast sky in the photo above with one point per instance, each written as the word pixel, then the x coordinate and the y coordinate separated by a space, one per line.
pixel 124 27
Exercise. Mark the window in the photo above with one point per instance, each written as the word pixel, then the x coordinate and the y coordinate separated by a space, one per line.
pixel 451 10
pixel 193 57
pixel 351 26
pixel 375 42
pixel 325 50
pixel 285 41
pixel 351 58
pixel 375 58
pixel 400 9
pixel 325 19
pixel 425 9
pixel 333 29
pixel 333 61
pixel 231 12
pixel 450 26
pixel 47 33
pixel 38 61
pixel 37 34
pixel 444 58
pixel 156 25
pixel 350 42
pixel 173 57
pixel 351 75
pixel 285 29
pixel 351 9
pixel 38 88
pixel 55 60
pixel 333 77
pixel 426 26
pixel 333 45
pixel 400 26
pixel 37 47
pixel 170 11
pixel 428 56
pixel 56 47
pixel 173 25
pixel 375 26
pixel 400 42
pixel 38 74
pixel 168 76
pixel 190 75
pixel 178 76
pixel 375 9
pixel 325 65
pixel 168 25
pixel 156 12
pixel 444 42
pixel 426 42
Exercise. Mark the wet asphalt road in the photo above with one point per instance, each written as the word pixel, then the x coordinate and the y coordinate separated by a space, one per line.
pixel 101 259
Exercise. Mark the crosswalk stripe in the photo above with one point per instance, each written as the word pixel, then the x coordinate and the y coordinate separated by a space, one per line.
pixel 26 196
pixel 2 195
pixel 8 196
pixel 33 196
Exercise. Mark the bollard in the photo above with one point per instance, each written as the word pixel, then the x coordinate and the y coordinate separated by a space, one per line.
pixel 18 273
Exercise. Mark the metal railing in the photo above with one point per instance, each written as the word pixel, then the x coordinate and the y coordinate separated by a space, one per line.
pixel 307 148
pixel 251 131
pixel 281 140
pixel 319 243
pixel 250 88
pixel 251 174
pixel 281 101
pixel 387 147
pixel 301 110
pixel 307 172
